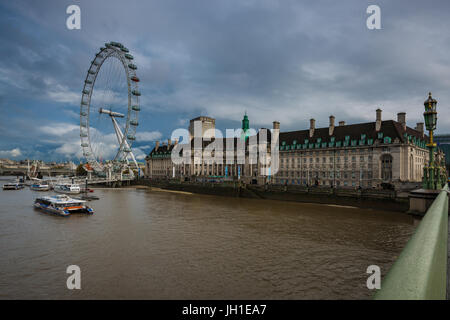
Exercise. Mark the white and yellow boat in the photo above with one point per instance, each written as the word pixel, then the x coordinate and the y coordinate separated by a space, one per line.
pixel 62 205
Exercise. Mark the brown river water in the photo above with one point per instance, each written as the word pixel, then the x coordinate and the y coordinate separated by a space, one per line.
pixel 144 244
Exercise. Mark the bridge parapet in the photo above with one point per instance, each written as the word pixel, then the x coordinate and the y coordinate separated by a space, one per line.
pixel 420 272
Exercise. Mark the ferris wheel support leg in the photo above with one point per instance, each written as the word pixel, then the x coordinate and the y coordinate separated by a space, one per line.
pixel 119 136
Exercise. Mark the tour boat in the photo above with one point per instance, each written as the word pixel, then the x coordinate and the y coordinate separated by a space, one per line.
pixel 68 188
pixel 40 187
pixel 62 205
pixel 12 186
pixel 31 181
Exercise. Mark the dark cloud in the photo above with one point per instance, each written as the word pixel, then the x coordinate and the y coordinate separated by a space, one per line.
pixel 279 60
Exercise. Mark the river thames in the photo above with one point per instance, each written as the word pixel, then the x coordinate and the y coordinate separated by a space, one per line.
pixel 147 244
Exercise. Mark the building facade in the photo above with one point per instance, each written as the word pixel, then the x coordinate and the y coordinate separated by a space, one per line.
pixel 382 153
pixel 443 142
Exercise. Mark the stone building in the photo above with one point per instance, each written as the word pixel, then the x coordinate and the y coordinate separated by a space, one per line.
pixel 382 153
pixel 158 164
pixel 364 154
pixel 203 167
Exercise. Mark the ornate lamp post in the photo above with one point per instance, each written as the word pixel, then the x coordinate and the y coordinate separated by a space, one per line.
pixel 433 175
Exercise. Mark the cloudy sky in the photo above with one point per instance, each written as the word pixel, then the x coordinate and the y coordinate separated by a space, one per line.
pixel 278 60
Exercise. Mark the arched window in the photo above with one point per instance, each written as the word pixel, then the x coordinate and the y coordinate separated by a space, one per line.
pixel 386 167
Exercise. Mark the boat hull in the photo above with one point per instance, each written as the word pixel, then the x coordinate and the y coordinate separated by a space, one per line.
pixel 12 187
pixel 66 191
pixel 51 210
pixel 63 213
pixel 40 188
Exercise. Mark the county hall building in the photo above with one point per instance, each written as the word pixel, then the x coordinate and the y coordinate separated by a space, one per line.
pixel 366 155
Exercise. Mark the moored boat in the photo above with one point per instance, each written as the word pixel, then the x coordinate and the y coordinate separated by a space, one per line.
pixel 62 205
pixel 31 181
pixel 12 186
pixel 67 188
pixel 40 187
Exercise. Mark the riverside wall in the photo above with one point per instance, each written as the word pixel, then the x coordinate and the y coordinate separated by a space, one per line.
pixel 364 198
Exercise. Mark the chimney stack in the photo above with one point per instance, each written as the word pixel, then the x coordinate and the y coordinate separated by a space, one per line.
pixel 157 145
pixel 401 118
pixel 176 141
pixel 419 127
pixel 169 142
pixel 331 128
pixel 341 123
pixel 274 141
pixel 378 121
pixel 312 126
pixel 276 125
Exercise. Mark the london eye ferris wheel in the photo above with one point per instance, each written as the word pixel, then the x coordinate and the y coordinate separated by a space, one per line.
pixel 109 111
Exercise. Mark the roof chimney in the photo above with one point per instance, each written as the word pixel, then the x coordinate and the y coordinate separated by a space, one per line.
pixel 312 126
pixel 157 145
pixel 419 127
pixel 331 128
pixel 341 123
pixel 176 141
pixel 401 118
pixel 276 125
pixel 169 142
pixel 378 121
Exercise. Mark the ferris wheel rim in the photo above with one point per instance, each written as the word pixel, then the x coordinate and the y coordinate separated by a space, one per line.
pixel 111 50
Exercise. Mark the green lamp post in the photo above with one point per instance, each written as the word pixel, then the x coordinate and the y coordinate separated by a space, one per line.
pixel 433 175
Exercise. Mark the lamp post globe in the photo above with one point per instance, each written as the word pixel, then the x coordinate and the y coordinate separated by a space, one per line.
pixel 430 114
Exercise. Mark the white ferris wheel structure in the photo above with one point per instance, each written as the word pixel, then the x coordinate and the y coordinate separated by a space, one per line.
pixel 109 112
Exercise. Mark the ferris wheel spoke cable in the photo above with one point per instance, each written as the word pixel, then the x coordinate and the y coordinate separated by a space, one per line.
pixel 114 70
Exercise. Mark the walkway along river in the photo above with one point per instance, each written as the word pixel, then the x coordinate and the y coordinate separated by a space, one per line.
pixel 143 244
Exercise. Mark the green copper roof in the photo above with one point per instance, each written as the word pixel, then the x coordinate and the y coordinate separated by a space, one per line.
pixel 245 123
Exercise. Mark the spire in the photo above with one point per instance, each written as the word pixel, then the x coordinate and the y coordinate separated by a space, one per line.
pixel 245 123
